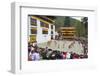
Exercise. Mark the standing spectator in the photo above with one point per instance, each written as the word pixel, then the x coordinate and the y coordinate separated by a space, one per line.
pixel 34 44
pixel 29 48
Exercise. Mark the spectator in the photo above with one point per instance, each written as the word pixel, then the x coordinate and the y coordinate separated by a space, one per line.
pixel 43 54
pixel 68 55
pixel 49 53
pixel 46 49
pixel 34 44
pixel 35 56
pixel 64 55
pixel 59 55
pixel 53 55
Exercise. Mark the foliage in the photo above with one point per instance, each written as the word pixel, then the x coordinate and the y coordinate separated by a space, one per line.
pixel 81 26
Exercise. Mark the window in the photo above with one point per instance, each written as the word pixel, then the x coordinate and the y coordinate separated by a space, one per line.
pixel 32 38
pixel 51 32
pixel 33 22
pixel 44 31
pixel 33 31
pixel 44 24
pixel 51 36
pixel 51 26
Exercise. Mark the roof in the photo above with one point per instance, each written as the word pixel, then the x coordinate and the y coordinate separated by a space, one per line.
pixel 49 19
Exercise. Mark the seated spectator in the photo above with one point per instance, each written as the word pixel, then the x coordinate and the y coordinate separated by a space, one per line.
pixel 53 55
pixel 64 55
pixel 75 56
pixel 35 56
pixel 43 54
pixel 49 53
pixel 68 56
pixel 59 55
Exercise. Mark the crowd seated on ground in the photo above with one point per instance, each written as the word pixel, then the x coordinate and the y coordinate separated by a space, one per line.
pixel 36 53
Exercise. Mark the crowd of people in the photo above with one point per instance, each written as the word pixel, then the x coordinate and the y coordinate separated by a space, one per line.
pixel 36 53
pixel 84 43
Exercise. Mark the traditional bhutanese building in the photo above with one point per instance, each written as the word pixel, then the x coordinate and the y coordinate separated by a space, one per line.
pixel 67 32
pixel 41 28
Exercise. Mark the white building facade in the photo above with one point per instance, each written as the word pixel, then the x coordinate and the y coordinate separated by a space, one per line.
pixel 40 30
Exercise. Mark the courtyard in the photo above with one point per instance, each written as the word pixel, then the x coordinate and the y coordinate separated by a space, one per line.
pixel 64 46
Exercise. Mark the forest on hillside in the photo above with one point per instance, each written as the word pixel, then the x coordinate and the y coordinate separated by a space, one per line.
pixel 68 21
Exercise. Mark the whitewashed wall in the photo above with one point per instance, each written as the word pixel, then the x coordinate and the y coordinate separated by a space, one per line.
pixel 43 37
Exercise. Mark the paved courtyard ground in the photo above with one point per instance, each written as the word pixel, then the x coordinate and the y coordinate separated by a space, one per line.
pixel 63 45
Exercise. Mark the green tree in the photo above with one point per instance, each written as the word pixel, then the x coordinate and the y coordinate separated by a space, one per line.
pixel 84 22
pixel 59 21
pixel 67 21
pixel 80 30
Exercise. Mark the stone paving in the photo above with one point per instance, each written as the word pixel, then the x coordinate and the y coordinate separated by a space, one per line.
pixel 63 45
